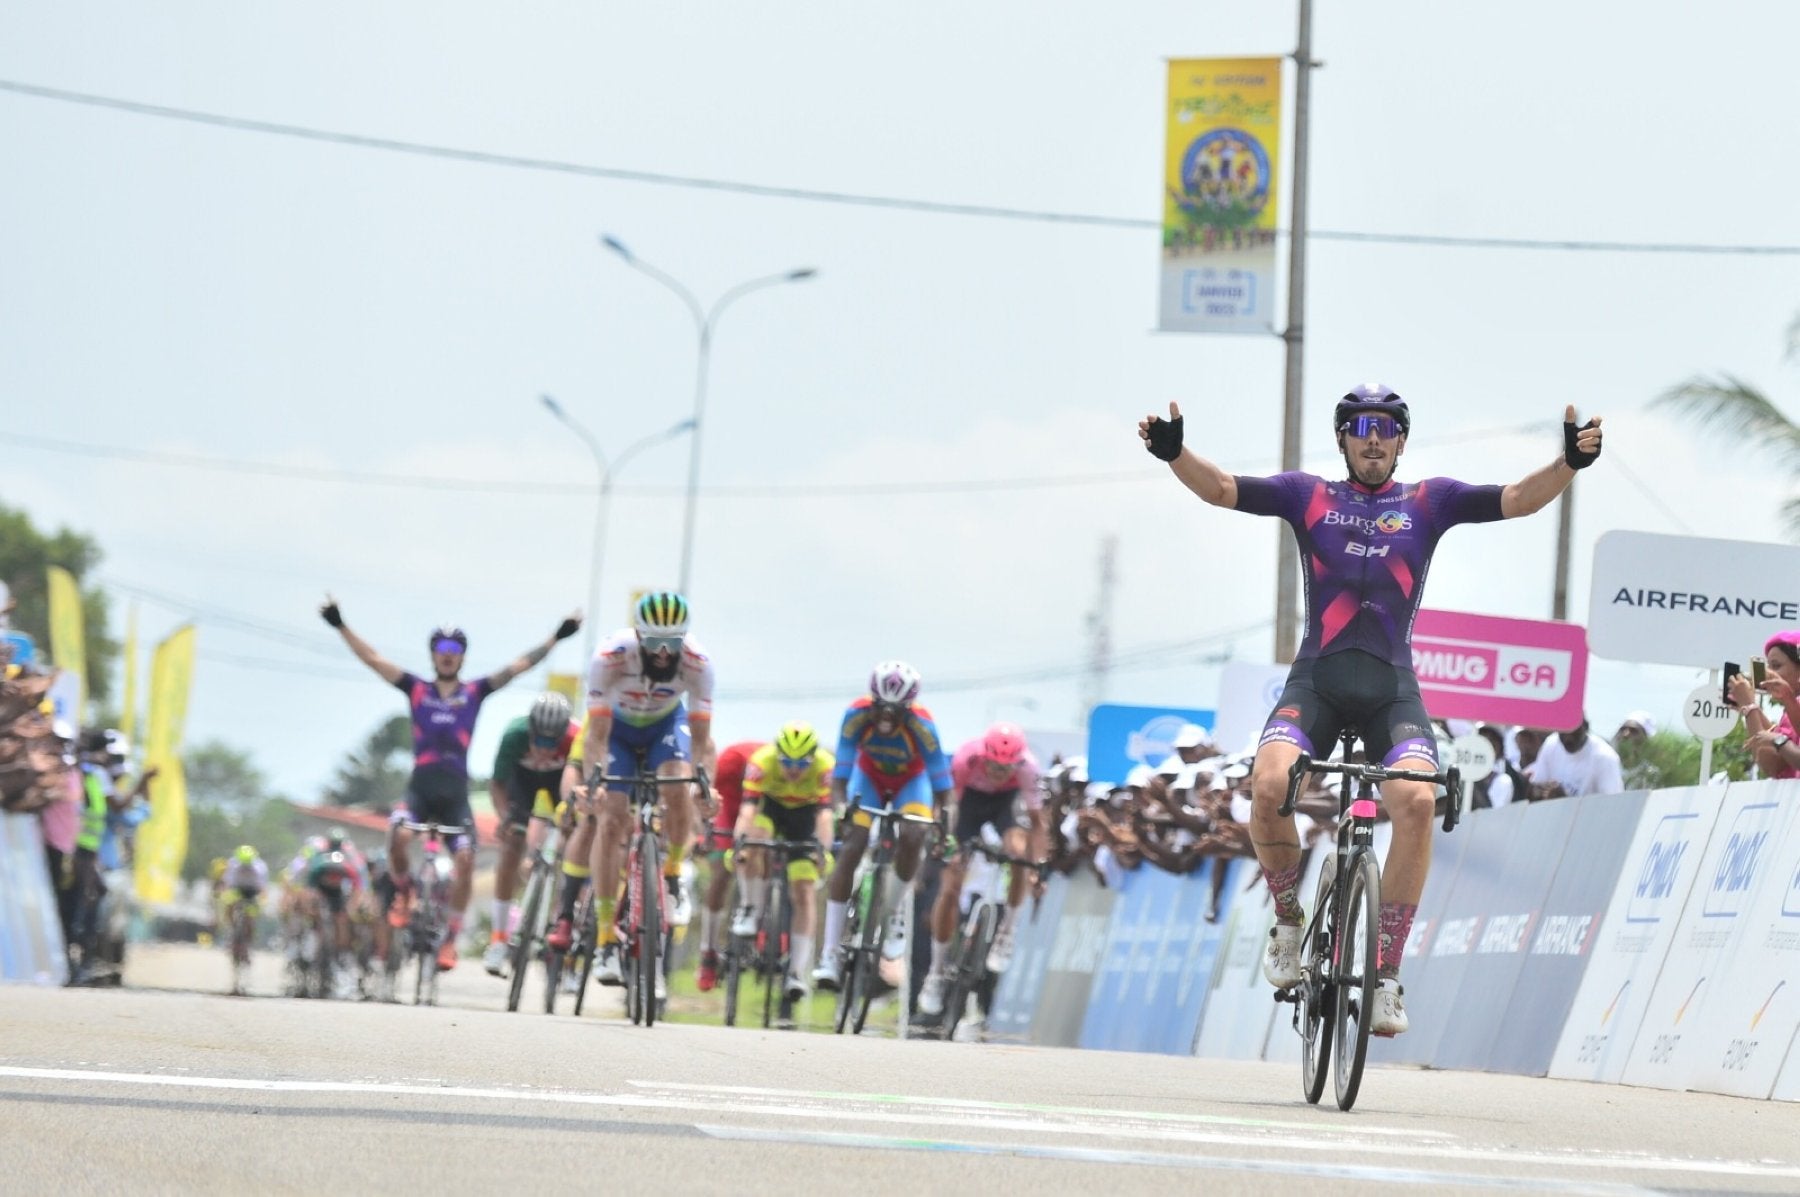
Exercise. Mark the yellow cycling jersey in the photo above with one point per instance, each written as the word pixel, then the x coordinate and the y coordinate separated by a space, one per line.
pixel 765 778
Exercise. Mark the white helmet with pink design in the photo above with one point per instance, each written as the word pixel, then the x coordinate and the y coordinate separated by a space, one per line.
pixel 894 683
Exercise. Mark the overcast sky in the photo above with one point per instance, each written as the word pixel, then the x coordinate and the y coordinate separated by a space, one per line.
pixel 258 299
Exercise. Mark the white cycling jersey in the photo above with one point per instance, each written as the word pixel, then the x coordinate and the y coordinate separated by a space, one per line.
pixel 239 875
pixel 617 685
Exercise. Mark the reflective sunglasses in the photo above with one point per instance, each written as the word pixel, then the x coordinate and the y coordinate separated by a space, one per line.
pixel 446 646
pixel 793 764
pixel 891 710
pixel 538 741
pixel 661 644
pixel 1365 426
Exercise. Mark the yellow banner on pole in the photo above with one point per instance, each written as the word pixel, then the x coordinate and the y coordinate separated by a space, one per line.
pixel 162 840
pixel 1220 169
pixel 128 714
pixel 67 646
pixel 569 686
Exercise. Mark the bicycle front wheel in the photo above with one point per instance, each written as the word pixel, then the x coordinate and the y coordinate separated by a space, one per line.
pixel 526 937
pixel 874 929
pixel 971 964
pixel 774 947
pixel 1315 1005
pixel 1358 957
pixel 650 929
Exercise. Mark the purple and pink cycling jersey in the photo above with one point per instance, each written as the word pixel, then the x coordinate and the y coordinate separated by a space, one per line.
pixel 1365 552
pixel 443 727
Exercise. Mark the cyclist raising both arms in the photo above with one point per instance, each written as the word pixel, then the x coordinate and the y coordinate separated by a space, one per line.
pixel 636 685
pixel 889 755
pixel 993 776
pixel 526 785
pixel 443 720
pixel 1365 545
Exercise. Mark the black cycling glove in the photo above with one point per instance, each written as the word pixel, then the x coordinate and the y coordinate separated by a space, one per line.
pixel 332 615
pixel 1577 459
pixel 1165 438
pixel 567 628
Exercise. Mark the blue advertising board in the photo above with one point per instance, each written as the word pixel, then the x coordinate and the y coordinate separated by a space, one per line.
pixel 1034 936
pixel 1122 737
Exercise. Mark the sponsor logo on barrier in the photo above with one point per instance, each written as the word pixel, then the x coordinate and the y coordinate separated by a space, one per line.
pixel 1079 948
pixel 1742 1050
pixel 1564 935
pixel 1456 936
pixel 1505 934
pixel 1593 1044
pixel 1657 872
pixel 1662 1048
pixel 1732 880
pixel 1790 901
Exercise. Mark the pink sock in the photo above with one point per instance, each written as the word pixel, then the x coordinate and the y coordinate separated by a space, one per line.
pixel 1284 886
pixel 1396 926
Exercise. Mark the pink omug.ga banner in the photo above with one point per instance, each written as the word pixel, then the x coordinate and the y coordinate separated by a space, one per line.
pixel 1482 667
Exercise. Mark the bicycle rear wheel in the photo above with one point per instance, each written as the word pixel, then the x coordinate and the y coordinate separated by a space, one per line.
pixel 1358 957
pixel 1315 1005
pixel 971 963
pixel 527 936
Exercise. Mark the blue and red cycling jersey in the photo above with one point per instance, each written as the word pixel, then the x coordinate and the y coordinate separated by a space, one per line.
pixel 891 761
pixel 1365 552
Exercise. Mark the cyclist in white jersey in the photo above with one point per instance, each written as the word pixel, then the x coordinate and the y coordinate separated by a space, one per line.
pixel 637 682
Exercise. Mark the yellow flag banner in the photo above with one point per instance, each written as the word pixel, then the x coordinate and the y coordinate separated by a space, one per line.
pixel 128 716
pixel 569 686
pixel 1221 162
pixel 67 646
pixel 162 840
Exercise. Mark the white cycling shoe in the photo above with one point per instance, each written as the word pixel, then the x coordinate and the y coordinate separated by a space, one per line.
pixel 494 959
pixel 1388 1017
pixel 681 904
pixel 931 995
pixel 606 969
pixel 743 923
pixel 829 976
pixel 1281 959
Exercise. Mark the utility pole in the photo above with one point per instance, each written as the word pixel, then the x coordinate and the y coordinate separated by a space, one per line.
pixel 1565 522
pixel 1287 575
pixel 1099 628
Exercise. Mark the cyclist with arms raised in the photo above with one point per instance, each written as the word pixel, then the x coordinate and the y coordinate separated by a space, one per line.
pixel 526 785
pixel 637 682
pixel 1365 544
pixel 443 719
pixel 993 776
pixel 889 755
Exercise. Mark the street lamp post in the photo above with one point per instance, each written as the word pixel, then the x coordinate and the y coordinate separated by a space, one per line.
pixel 607 473
pixel 705 321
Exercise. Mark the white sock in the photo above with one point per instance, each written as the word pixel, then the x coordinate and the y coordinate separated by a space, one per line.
pixel 502 914
pixel 757 894
pixel 939 950
pixel 709 923
pixel 800 948
pixel 835 915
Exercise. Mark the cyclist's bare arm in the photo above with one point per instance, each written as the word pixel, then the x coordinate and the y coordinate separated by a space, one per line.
pixel 1535 490
pixel 705 752
pixel 599 733
pixel 390 672
pixel 1196 473
pixel 507 673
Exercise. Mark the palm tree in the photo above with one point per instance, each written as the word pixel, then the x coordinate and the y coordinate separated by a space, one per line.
pixel 1729 405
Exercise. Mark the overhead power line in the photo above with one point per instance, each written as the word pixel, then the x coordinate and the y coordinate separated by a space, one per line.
pixel 814 195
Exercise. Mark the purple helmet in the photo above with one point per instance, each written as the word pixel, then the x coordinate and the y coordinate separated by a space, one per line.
pixel 1372 397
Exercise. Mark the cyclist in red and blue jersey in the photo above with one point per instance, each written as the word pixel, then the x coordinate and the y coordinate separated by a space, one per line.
pixel 443 719
pixel 889 754
pixel 1365 543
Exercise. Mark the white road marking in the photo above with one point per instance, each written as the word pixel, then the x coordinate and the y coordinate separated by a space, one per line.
pixel 1314 1138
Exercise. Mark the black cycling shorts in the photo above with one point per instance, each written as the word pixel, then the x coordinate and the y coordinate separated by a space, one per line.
pixel 441 797
pixel 522 791
pixel 791 822
pixel 1352 689
pixel 977 809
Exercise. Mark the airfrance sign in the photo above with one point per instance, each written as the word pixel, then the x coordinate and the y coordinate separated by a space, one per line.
pixel 1483 667
pixel 1688 600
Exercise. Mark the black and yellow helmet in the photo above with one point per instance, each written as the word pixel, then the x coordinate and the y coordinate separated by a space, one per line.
pixel 796 741
pixel 661 613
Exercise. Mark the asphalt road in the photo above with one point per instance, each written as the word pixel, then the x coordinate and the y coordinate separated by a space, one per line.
pixel 173 1089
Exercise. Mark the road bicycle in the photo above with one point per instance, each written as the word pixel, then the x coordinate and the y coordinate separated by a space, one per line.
pixel 966 972
pixel 534 921
pixel 428 920
pixel 240 916
pixel 1340 947
pixel 866 925
pixel 766 954
pixel 643 937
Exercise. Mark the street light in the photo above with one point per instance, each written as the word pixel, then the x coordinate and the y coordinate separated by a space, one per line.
pixel 705 320
pixel 606 482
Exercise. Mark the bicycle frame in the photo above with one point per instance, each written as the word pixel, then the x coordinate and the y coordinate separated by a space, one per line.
pixel 975 934
pixel 425 928
pixel 866 924
pixel 769 952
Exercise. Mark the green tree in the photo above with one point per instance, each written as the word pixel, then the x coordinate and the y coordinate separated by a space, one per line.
pixel 1726 404
pixel 25 553
pixel 229 804
pixel 222 777
pixel 374 774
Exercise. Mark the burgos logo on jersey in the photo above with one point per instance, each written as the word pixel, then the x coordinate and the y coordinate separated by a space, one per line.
pixel 1736 873
pixel 1660 869
pixel 1387 523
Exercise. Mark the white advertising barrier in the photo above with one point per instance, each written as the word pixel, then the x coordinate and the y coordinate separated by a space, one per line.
pixel 1247 693
pixel 31 942
pixel 1689 600
pixel 1640 924
pixel 1742 948
pixel 1235 1025
pixel 1673 1045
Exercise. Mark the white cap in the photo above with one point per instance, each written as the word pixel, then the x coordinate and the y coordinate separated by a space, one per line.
pixel 1075 769
pixel 1189 775
pixel 1643 719
pixel 1140 776
pixel 1192 735
pixel 1172 765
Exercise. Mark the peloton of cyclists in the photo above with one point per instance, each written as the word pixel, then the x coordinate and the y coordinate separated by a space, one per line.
pixel 443 717
pixel 889 755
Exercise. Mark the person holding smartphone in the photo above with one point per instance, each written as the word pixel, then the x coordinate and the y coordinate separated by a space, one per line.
pixel 1772 744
